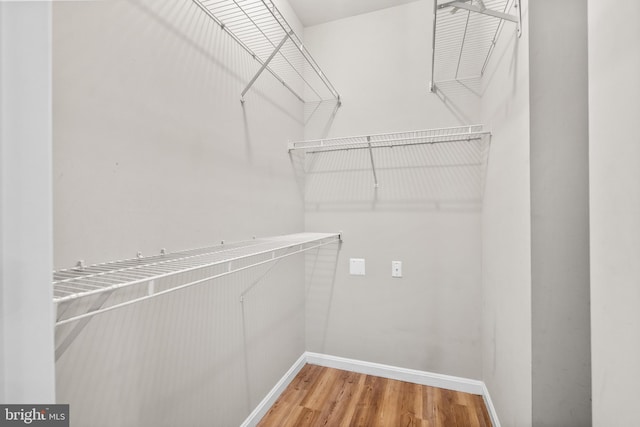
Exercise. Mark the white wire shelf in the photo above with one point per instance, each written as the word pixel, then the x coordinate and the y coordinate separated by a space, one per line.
pixel 261 30
pixel 472 133
pixel 162 274
pixel 465 33
pixel 426 136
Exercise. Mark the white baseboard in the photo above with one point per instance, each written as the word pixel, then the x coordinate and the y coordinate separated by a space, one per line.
pixel 395 373
pixel 492 410
pixel 263 407
pixel 385 371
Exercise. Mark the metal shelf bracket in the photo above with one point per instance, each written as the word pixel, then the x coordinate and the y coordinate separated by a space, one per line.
pixel 264 65
pixel 373 165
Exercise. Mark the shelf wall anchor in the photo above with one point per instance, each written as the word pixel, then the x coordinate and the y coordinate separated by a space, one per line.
pixel 373 165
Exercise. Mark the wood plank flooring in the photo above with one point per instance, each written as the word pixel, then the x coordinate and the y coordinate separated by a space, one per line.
pixel 320 396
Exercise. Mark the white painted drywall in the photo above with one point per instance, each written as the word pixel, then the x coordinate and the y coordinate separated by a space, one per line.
pixel 26 308
pixel 561 359
pixel 614 176
pixel 153 149
pixel 312 12
pixel 424 214
pixel 380 62
pixel 506 231
pixel 150 135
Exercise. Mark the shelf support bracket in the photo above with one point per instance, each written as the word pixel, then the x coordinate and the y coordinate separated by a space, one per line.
pixel 259 279
pixel 518 6
pixel 373 165
pixel 264 65
pixel 432 83
pixel 78 327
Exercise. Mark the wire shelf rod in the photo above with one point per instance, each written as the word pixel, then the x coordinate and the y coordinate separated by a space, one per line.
pixel 298 248
pixel 384 140
pixel 455 130
pixel 134 265
pixel 464 134
pixel 394 145
pixel 94 282
pixel 75 288
pixel 84 273
pixel 232 257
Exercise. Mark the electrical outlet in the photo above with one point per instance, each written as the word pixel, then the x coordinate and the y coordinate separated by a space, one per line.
pixel 396 268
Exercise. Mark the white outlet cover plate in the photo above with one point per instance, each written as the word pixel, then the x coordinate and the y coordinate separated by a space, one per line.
pixel 396 268
pixel 356 266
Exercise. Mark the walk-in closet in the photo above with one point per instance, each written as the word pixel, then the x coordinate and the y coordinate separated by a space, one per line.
pixel 300 212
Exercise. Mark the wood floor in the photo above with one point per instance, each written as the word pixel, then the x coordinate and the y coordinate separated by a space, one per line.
pixel 320 396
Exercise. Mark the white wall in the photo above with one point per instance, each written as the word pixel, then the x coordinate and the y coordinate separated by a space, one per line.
pixel 26 308
pixel 153 149
pixel 133 78
pixel 149 134
pixel 425 214
pixel 380 63
pixel 560 214
pixel 506 230
pixel 614 108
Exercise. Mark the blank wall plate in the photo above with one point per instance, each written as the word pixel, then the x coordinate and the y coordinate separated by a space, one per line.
pixel 396 268
pixel 356 266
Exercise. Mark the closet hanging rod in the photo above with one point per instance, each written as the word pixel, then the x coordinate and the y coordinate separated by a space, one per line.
pixel 104 279
pixel 395 143
pixel 427 136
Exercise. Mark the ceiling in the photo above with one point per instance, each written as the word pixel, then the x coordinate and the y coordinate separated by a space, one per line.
pixel 313 12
